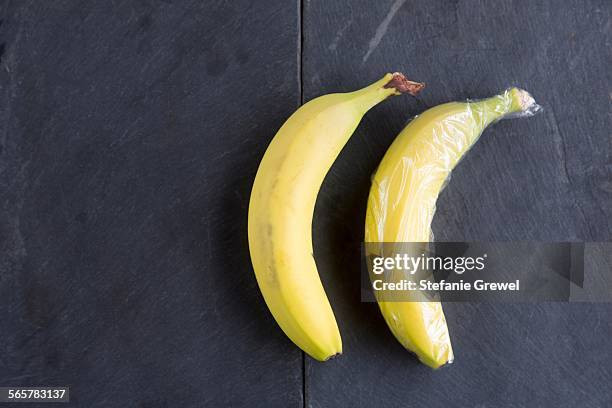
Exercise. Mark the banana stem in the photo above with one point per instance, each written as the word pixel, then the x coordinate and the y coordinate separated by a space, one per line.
pixel 401 84
pixel 522 101
pixel 390 84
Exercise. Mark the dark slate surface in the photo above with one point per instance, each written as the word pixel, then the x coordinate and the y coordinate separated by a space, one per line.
pixel 545 178
pixel 130 135
pixel 132 130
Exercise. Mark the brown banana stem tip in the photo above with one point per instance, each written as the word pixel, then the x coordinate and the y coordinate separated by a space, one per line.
pixel 403 85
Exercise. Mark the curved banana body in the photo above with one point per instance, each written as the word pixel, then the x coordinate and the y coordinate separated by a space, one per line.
pixel 403 198
pixel 282 205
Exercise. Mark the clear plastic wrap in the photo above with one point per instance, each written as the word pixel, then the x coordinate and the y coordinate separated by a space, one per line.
pixel 403 198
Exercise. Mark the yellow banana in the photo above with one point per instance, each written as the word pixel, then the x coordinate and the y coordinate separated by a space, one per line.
pixel 282 205
pixel 403 198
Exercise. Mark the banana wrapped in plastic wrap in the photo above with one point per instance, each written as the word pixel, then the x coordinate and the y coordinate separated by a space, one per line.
pixel 402 204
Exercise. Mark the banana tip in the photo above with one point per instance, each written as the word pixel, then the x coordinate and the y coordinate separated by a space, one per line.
pixel 332 356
